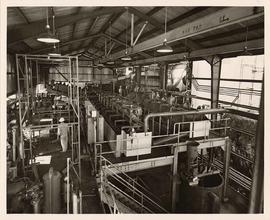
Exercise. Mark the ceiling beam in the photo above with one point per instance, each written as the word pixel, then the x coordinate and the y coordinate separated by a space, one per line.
pixel 91 24
pixel 75 24
pixel 257 44
pixel 234 32
pixel 146 17
pixel 140 20
pixel 26 31
pixel 104 28
pixel 169 23
pixel 22 15
pixel 208 23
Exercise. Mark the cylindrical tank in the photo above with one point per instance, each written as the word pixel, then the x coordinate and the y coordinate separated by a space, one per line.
pixel 203 198
pixel 52 191
pixel 213 184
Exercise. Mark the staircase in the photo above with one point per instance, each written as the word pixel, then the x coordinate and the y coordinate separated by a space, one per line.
pixel 122 194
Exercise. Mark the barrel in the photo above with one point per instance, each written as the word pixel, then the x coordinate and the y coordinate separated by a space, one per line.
pixel 210 192
pixel 52 191
pixel 202 198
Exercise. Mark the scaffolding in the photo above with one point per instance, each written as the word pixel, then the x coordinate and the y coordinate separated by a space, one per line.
pixel 28 75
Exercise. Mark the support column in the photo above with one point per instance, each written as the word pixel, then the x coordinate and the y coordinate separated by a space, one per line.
pixel 138 75
pixel 215 80
pixel 256 196
pixel 174 194
pixel 163 75
pixel 226 162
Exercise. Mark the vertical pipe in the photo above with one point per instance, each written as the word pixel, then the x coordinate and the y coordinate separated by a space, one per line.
pixel 132 30
pixel 256 196
pixel 80 196
pixel 174 179
pixel 14 143
pixel 74 203
pixel 37 71
pixel 79 126
pixel 68 189
pixel 21 143
pixel 226 162
pixel 27 82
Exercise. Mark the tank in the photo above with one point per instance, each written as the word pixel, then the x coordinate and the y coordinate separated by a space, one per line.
pixel 203 198
pixel 52 191
pixel 209 191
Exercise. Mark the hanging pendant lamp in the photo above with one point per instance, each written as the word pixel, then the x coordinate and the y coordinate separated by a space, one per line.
pixel 110 60
pixel 50 36
pixel 126 57
pixel 165 48
pixel 55 52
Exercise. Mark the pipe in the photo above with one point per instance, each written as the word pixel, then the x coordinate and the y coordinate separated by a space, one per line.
pixel 194 112
pixel 14 143
pixel 256 196
pixel 226 167
pixel 80 199
pixel 132 30
pixel 75 203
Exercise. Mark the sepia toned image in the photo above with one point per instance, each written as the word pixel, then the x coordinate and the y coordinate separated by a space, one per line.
pixel 135 109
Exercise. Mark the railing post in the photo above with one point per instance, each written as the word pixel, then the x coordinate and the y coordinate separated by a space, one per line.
pixel 68 189
pixel 80 196
pixel 226 167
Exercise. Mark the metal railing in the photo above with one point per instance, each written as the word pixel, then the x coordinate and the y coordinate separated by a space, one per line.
pixel 218 126
pixel 76 195
pixel 135 188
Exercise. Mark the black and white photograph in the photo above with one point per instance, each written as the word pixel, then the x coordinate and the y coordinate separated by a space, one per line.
pixel 133 109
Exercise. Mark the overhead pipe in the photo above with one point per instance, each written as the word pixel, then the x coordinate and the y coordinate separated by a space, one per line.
pixel 194 112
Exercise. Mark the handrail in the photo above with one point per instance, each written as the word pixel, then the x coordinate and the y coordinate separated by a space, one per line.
pixel 136 191
pixel 128 196
pixel 142 187
pixel 180 113
pixel 128 185
pixel 114 200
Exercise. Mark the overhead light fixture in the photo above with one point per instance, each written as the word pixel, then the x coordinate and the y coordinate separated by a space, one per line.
pixel 126 57
pixel 48 37
pixel 55 51
pixel 246 52
pixel 165 48
pixel 110 60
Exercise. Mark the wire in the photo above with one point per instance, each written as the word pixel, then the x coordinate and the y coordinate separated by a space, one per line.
pixel 165 23
pixel 47 18
pixel 126 29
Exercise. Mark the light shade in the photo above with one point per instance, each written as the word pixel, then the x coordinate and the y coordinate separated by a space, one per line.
pixel 110 62
pixel 54 54
pixel 126 58
pixel 165 48
pixel 48 38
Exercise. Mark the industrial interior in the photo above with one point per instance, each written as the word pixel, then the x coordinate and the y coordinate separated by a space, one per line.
pixel 135 110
